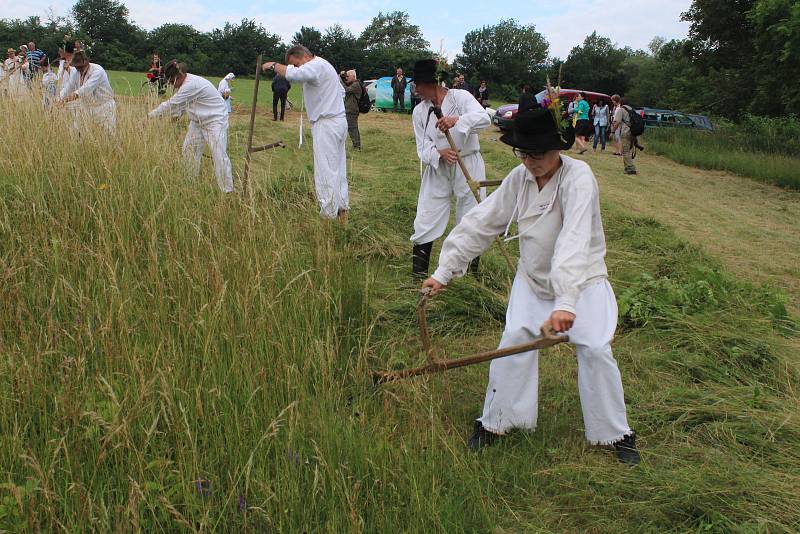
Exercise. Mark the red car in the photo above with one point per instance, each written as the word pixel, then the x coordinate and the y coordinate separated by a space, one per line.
pixel 505 115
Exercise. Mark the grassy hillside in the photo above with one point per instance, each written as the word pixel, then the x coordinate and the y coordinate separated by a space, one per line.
pixel 173 359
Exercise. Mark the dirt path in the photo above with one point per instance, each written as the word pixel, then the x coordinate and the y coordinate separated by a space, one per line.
pixel 754 229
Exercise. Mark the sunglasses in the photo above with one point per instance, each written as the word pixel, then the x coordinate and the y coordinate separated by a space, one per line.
pixel 524 154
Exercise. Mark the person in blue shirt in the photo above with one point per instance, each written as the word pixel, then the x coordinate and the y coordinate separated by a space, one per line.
pixel 582 125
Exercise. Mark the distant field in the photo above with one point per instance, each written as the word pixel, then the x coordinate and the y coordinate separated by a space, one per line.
pixel 722 151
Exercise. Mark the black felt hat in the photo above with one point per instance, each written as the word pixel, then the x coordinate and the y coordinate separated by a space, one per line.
pixel 425 71
pixel 536 130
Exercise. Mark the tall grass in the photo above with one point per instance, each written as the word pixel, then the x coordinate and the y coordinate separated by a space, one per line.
pixel 173 359
pixel 757 147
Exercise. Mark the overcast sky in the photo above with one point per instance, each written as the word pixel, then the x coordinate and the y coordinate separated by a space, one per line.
pixel 564 24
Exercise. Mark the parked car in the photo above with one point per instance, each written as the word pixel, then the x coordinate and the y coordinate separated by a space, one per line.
pixel 669 118
pixel 505 115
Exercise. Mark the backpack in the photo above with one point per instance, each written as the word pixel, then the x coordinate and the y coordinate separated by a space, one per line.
pixel 635 121
pixel 364 103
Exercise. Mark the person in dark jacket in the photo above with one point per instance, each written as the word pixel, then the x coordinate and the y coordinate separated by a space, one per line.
pixel 280 91
pixel 482 94
pixel 527 100
pixel 399 90
pixel 352 94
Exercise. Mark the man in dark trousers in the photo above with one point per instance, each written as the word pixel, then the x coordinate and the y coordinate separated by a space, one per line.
pixel 280 91
pixel 399 90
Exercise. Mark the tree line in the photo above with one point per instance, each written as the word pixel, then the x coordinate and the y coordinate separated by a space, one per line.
pixel 741 56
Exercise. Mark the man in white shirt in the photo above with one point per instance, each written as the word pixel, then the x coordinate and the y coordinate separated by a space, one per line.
pixel 208 121
pixel 92 93
pixel 561 281
pixel 442 177
pixel 323 96
pixel 224 89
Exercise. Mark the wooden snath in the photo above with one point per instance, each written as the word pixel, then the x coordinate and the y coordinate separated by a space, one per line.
pixel 548 338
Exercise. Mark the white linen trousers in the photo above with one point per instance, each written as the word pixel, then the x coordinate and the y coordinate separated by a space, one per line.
pixel 512 393
pixel 215 135
pixel 435 191
pixel 330 165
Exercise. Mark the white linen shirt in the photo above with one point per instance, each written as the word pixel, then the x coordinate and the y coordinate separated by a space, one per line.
pixel 472 118
pixel 69 80
pixel 323 93
pixel 562 245
pixel 96 89
pixel 198 98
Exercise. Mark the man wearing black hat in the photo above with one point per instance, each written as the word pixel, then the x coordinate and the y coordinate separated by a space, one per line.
pixel 561 281
pixel 442 178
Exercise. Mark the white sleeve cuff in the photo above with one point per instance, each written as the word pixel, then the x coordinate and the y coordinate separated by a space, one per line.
pixel 565 303
pixel 443 275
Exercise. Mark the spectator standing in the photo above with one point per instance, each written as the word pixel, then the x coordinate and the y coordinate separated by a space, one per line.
pixel 35 57
pixel 527 100
pixel 280 92
pixel 622 124
pixel 615 99
pixel 583 127
pixel 483 94
pixel 399 90
pixel 601 120
pixel 352 94
pixel 224 89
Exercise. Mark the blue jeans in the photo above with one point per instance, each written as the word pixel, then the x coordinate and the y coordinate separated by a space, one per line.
pixel 599 134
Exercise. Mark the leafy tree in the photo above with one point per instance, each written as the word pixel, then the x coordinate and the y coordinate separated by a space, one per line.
pixel 393 30
pixel 776 25
pixel 184 43
pixel 507 55
pixel 310 37
pixel 597 65
pixel 111 38
pixel 342 49
pixel 235 47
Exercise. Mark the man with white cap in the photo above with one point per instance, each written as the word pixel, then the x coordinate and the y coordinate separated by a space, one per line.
pixel 442 178
pixel 224 89
pixel 561 282
pixel 208 121
pixel 323 96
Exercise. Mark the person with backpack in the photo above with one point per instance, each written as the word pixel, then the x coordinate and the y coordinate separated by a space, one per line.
pixel 626 124
pixel 352 96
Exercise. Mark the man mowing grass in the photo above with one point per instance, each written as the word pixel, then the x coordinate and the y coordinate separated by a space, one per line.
pixel 561 281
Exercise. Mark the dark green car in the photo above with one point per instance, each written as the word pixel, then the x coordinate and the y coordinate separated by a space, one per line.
pixel 668 118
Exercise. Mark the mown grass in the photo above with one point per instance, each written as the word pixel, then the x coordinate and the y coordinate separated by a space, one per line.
pixel 726 153
pixel 174 359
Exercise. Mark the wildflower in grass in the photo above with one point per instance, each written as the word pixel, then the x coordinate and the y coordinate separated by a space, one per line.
pixel 203 487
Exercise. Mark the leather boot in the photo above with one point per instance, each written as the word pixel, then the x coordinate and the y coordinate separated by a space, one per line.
pixel 421 259
pixel 474 265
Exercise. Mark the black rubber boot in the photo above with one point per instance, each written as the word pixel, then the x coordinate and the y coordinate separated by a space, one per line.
pixel 474 265
pixel 481 437
pixel 421 259
pixel 626 450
